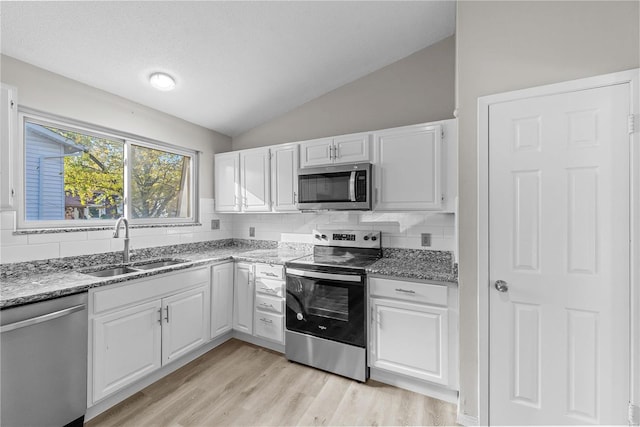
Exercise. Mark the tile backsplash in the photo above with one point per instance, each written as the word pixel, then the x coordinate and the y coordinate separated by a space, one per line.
pixel 399 230
pixel 28 247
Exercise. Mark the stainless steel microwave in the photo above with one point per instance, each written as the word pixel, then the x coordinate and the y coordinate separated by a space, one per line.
pixel 340 187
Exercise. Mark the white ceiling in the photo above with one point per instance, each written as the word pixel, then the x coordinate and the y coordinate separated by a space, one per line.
pixel 237 64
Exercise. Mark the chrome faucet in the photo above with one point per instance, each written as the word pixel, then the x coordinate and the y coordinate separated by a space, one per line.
pixel 116 234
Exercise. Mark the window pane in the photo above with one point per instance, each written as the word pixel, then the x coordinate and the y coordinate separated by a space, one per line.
pixel 70 175
pixel 160 184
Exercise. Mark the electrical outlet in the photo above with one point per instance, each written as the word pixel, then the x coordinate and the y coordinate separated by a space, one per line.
pixel 215 224
pixel 425 239
pixel 252 232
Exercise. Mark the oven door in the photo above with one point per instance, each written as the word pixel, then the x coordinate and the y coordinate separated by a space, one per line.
pixel 327 305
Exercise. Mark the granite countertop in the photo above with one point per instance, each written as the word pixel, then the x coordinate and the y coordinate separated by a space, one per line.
pixel 30 286
pixel 416 264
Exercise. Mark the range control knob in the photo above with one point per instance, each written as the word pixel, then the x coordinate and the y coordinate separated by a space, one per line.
pixel 299 316
pixel 317 236
pixel 324 236
pixel 374 238
pixel 366 238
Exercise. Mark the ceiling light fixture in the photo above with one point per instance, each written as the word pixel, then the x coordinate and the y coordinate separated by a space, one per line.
pixel 162 81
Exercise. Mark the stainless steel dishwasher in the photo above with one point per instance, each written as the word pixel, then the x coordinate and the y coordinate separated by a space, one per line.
pixel 44 363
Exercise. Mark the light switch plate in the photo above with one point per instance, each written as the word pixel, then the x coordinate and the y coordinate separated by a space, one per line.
pixel 215 224
pixel 425 239
pixel 252 232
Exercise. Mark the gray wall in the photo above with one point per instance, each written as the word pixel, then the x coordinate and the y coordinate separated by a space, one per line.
pixel 503 46
pixel 416 89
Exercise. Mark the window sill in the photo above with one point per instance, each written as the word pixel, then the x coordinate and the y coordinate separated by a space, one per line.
pixel 25 231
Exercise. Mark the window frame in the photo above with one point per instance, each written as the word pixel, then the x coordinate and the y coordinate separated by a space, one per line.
pixel 26 114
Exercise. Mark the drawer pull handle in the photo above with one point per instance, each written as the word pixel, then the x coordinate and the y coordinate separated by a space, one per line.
pixel 266 320
pixel 269 290
pixel 268 273
pixel 405 291
pixel 264 304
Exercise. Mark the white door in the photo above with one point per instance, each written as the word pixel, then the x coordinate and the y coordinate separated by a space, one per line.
pixel 407 171
pixel 243 298
pixel 410 339
pixel 221 299
pixel 254 180
pixel 186 322
pixel 126 347
pixel 284 177
pixel 559 239
pixel 351 148
pixel 227 182
pixel 317 152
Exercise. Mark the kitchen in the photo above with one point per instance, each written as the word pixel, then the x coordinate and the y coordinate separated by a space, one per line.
pixel 478 61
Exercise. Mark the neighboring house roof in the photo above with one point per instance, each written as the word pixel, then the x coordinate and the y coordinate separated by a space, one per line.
pixel 69 147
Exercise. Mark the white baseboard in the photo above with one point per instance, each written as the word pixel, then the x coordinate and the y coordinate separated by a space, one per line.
pixel 412 384
pixel 121 395
pixel 466 420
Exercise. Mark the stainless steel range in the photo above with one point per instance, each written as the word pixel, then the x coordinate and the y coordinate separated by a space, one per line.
pixel 327 302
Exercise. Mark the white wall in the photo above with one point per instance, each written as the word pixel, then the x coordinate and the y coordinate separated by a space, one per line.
pixel 52 93
pixel 509 45
pixel 416 89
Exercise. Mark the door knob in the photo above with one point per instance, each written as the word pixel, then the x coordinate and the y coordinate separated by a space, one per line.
pixel 501 286
pixel 299 316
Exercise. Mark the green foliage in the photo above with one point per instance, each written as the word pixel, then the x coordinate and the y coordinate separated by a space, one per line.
pixel 158 180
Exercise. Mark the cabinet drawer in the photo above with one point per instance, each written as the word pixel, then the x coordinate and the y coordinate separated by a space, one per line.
pixel 408 291
pixel 270 287
pixel 267 303
pixel 270 326
pixel 147 288
pixel 270 271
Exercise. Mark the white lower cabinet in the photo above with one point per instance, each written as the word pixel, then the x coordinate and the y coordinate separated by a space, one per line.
pixel 139 326
pixel 410 339
pixel 243 298
pixel 221 299
pixel 126 347
pixel 413 329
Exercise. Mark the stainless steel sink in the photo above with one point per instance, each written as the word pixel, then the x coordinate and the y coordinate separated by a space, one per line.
pixel 114 271
pixel 160 263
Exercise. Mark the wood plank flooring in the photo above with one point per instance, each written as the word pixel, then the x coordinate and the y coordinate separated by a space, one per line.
pixel 239 384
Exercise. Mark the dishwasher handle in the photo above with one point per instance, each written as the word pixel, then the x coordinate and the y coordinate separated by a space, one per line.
pixel 44 318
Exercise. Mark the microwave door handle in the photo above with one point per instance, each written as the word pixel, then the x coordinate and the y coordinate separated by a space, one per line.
pixel 352 186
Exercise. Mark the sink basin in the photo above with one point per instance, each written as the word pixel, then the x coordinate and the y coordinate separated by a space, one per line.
pixel 158 264
pixel 110 272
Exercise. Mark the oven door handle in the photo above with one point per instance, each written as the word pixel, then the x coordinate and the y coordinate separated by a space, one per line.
pixel 352 186
pixel 328 276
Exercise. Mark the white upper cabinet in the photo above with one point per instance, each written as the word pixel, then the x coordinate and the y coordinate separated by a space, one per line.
pixel 284 177
pixel 254 180
pixel 408 168
pixel 8 130
pixel 227 182
pixel 351 148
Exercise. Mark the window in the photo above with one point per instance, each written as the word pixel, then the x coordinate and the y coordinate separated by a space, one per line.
pixel 75 175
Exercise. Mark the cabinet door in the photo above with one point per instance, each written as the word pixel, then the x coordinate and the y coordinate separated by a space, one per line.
pixel 254 180
pixel 410 339
pixel 352 148
pixel 126 347
pixel 407 168
pixel 186 320
pixel 8 135
pixel 227 182
pixel 221 299
pixel 284 177
pixel 243 298
pixel 317 152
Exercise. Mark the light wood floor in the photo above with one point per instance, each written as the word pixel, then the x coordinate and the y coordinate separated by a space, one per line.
pixel 241 384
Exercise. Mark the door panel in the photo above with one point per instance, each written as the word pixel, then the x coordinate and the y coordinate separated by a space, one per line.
pixel 186 321
pixel 559 238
